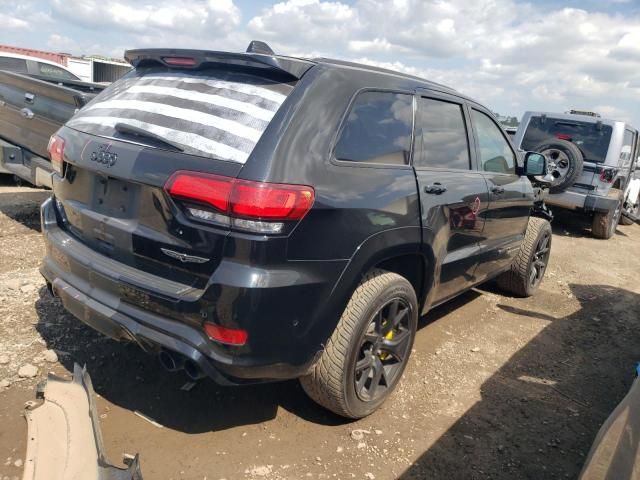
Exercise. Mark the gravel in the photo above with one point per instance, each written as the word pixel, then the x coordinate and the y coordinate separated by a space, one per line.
pixel 28 371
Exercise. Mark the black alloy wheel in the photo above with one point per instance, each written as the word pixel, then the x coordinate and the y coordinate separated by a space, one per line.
pixel 540 259
pixel 383 350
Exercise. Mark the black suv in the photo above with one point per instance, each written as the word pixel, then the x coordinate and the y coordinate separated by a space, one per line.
pixel 252 217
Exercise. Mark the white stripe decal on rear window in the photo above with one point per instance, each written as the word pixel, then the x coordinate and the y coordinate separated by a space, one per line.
pixel 189 140
pixel 176 112
pixel 244 107
pixel 224 84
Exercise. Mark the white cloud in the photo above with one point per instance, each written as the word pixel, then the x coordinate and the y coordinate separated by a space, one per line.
pixel 508 54
pixel 9 22
pixel 502 52
pixel 185 17
pixel 300 24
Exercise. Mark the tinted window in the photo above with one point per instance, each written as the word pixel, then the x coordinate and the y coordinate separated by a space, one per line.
pixel 591 139
pixel 215 113
pixel 441 136
pixel 627 146
pixel 378 129
pixel 13 64
pixel 495 153
pixel 56 72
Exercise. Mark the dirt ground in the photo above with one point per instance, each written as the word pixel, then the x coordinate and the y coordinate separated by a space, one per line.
pixel 497 387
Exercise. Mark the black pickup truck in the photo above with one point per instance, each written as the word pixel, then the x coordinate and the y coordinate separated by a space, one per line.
pixel 32 108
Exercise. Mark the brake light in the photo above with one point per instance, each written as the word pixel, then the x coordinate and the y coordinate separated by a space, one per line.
pixel 244 204
pixel 270 201
pixel 180 61
pixel 608 174
pixel 229 336
pixel 56 153
pixel 210 189
pixel 563 136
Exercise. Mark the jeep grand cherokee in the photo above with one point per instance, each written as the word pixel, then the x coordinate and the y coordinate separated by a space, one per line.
pixel 252 217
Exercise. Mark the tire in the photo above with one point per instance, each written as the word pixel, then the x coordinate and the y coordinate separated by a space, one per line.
pixel 634 211
pixel 560 152
pixel 626 221
pixel 333 381
pixel 604 223
pixel 533 254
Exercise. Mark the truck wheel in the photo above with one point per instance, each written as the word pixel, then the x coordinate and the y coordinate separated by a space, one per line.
pixel 369 349
pixel 604 223
pixel 633 210
pixel 565 163
pixel 528 268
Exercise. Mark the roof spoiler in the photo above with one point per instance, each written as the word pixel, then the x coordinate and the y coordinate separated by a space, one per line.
pixel 258 55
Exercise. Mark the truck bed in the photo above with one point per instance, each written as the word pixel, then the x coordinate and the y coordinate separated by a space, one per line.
pixel 32 108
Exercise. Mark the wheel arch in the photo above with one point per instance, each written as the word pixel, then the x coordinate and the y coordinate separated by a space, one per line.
pixel 395 250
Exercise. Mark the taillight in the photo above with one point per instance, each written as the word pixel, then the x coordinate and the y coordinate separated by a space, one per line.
pixel 180 61
pixel 56 153
pixel 270 201
pixel 246 205
pixel 229 336
pixel 608 174
pixel 563 136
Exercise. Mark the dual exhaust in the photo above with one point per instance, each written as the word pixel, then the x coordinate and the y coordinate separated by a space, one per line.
pixel 171 361
pixel 174 362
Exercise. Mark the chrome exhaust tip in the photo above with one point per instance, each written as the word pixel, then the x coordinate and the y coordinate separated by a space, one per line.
pixel 193 370
pixel 171 361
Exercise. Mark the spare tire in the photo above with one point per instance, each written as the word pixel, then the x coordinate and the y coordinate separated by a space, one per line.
pixel 565 162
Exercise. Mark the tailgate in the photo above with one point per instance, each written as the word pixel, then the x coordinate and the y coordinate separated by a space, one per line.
pixel 121 210
pixel 122 148
pixel 31 110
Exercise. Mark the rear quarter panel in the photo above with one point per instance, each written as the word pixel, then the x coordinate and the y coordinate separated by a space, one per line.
pixel 362 214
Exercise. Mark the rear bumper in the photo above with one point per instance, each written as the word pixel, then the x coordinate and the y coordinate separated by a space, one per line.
pixel 97 290
pixel 581 201
pixel 35 170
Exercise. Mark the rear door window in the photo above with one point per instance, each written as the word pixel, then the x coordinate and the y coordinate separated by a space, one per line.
pixel 378 129
pixel 18 65
pixel 590 137
pixel 211 113
pixel 47 70
pixel 441 136
pixel 627 147
pixel 495 154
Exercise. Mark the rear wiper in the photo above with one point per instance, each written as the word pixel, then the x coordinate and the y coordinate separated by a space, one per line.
pixel 139 132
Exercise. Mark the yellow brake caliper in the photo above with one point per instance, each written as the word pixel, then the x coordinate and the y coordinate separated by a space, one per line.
pixel 388 336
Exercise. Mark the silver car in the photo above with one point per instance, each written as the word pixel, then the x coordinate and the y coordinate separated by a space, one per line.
pixel 591 159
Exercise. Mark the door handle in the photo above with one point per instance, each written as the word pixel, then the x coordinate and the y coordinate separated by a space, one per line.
pixel 26 113
pixel 497 190
pixel 29 97
pixel 436 189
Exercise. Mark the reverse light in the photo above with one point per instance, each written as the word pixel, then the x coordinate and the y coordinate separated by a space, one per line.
pixel 56 153
pixel 228 336
pixel 242 204
pixel 180 61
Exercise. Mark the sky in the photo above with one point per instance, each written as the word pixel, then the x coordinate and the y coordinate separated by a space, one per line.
pixel 512 56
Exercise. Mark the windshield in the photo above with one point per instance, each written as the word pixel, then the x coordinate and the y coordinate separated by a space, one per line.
pixel 592 139
pixel 211 113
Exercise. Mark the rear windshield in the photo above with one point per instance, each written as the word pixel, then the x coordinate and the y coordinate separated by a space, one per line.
pixel 592 139
pixel 209 113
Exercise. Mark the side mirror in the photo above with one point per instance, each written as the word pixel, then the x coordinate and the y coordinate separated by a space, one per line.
pixel 535 164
